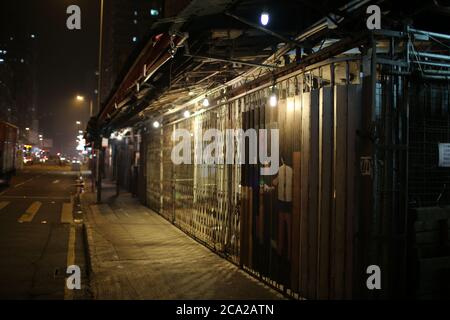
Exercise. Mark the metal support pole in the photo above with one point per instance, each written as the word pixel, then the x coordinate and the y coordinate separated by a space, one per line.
pixel 99 174
pixel 99 149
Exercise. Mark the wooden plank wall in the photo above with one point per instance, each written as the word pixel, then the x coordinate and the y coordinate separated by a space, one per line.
pixel 328 169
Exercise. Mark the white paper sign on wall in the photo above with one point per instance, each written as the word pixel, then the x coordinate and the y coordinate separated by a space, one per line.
pixel 105 142
pixel 444 154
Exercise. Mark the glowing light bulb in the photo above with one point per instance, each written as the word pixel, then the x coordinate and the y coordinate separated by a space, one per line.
pixel 265 17
pixel 273 100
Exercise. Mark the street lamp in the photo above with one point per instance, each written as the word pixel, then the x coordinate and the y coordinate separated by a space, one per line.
pixel 81 99
pixel 78 122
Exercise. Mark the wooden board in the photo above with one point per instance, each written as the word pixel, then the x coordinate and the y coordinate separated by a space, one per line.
pixel 313 192
pixel 296 189
pixel 296 205
pixel 340 186
pixel 353 124
pixel 325 190
pixel 304 227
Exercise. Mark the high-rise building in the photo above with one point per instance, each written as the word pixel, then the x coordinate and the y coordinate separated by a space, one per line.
pixel 126 27
pixel 18 80
pixel 8 110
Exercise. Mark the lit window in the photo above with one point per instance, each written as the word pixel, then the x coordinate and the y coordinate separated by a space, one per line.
pixel 154 12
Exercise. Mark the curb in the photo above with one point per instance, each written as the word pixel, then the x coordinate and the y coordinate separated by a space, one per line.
pixel 86 235
pixel 87 251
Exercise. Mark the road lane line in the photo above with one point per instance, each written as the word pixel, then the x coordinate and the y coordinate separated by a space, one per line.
pixel 66 213
pixel 68 294
pixel 3 204
pixel 26 181
pixel 31 212
pixel 35 197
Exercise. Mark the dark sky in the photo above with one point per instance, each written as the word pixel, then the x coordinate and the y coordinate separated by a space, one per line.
pixel 67 61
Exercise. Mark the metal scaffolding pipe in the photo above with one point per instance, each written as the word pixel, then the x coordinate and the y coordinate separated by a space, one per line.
pixel 432 55
pixel 430 34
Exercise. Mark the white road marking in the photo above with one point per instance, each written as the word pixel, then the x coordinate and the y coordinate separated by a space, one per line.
pixel 66 213
pixel 31 212
pixel 26 181
pixel 35 197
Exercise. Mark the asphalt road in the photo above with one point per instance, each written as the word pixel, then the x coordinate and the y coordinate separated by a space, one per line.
pixel 40 235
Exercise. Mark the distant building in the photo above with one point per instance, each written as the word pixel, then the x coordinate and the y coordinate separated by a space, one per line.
pixel 126 26
pixel 8 110
pixel 18 80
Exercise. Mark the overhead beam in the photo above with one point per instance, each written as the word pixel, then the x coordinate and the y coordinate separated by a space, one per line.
pixel 223 59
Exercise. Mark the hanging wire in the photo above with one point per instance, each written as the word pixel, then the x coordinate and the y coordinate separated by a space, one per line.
pixel 410 43
pixel 440 42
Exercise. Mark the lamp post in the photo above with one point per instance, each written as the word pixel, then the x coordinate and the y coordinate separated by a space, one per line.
pixel 91 104
pixel 99 148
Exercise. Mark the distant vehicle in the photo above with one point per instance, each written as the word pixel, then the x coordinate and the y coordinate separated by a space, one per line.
pixel 8 146
pixel 76 164
pixel 28 160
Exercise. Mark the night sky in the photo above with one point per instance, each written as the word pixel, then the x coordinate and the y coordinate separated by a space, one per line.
pixel 67 61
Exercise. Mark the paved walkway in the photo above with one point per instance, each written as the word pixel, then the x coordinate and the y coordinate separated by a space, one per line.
pixel 137 254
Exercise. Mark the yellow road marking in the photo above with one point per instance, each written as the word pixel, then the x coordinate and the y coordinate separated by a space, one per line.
pixel 3 204
pixel 31 212
pixel 68 294
pixel 66 214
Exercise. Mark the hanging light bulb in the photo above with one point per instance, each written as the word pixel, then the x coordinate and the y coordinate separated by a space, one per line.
pixel 265 17
pixel 206 102
pixel 187 114
pixel 273 100
pixel 156 124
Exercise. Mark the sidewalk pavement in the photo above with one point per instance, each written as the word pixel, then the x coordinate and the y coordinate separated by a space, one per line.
pixel 137 254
